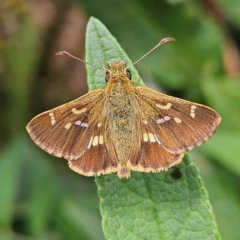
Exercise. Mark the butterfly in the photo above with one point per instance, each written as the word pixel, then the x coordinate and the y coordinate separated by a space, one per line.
pixel 123 127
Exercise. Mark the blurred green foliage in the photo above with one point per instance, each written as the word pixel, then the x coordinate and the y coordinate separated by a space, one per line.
pixel 40 197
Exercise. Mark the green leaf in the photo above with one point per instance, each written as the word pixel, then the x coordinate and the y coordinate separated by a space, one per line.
pixel 223 94
pixel 225 139
pixel 170 205
pixel 10 170
pixel 223 189
pixel 44 190
pixel 22 59
pixel 79 219
pixel 166 205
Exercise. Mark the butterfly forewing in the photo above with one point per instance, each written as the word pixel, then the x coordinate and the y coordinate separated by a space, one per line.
pixel 180 125
pixel 65 131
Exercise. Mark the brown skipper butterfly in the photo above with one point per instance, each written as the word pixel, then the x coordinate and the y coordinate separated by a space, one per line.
pixel 123 127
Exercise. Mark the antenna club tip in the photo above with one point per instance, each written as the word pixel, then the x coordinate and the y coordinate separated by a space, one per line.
pixel 61 53
pixel 167 39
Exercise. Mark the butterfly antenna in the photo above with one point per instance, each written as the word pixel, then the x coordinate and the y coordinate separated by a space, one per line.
pixel 64 53
pixel 164 40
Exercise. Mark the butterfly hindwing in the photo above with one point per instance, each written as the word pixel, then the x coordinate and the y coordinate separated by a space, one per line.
pixel 65 131
pixel 152 155
pixel 96 159
pixel 180 125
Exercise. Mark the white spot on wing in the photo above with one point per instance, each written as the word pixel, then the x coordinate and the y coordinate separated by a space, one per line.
pixel 145 137
pixel 68 125
pixel 167 106
pixel 78 122
pixel 99 124
pixel 166 118
pixel 151 137
pixel 90 143
pixel 160 120
pixel 95 141
pixel 177 120
pixel 100 139
pixel 157 139
pixel 53 121
pixel 75 111
pixel 83 124
pixel 192 113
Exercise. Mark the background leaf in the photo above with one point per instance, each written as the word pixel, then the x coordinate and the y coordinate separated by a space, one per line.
pixel 148 205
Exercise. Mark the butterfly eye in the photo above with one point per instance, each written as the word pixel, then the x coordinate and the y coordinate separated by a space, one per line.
pixel 128 73
pixel 107 76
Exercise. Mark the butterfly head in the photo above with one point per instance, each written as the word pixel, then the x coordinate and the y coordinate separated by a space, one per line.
pixel 117 69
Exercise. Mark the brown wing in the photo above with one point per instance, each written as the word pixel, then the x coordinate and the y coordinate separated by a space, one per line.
pixel 179 125
pixel 65 131
pixel 97 159
pixel 152 155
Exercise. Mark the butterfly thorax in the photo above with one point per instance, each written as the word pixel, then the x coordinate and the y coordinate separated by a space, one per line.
pixel 119 112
